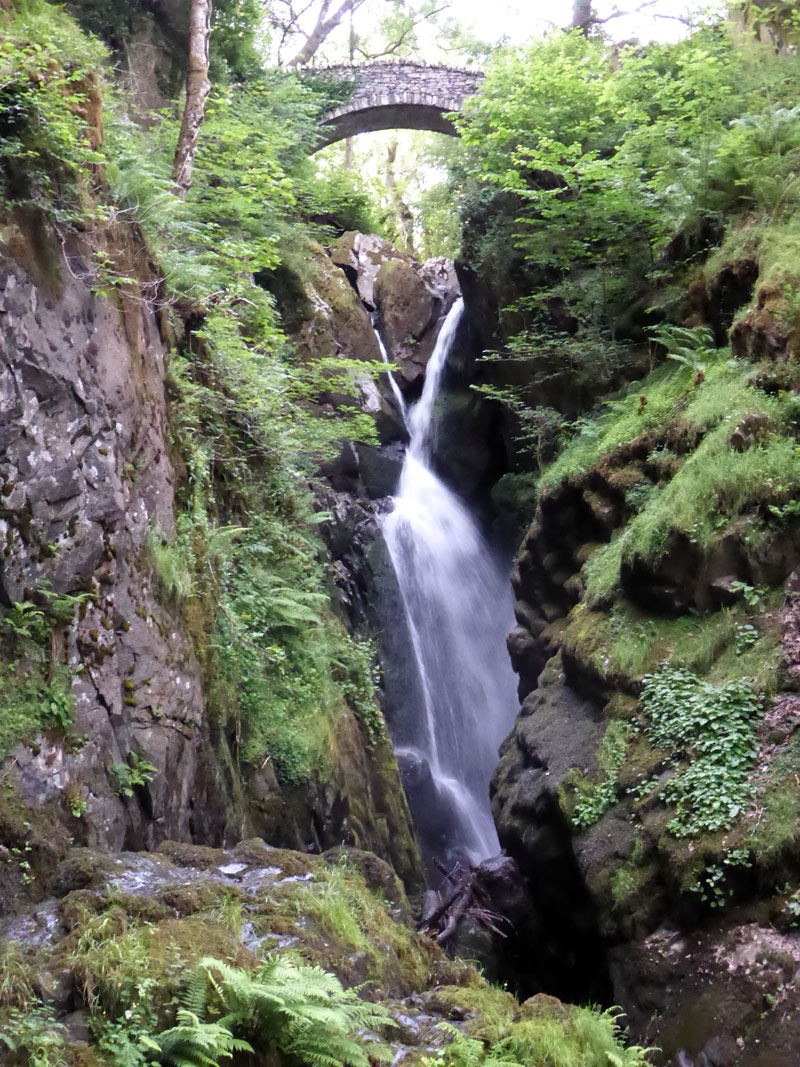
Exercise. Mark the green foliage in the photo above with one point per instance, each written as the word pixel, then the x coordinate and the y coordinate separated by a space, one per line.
pixel 29 702
pixel 48 71
pixel 192 1043
pixel 713 882
pixel 26 619
pixel 289 1008
pixel 576 1037
pixel 691 346
pixel 17 989
pixel 130 775
pixel 172 563
pixel 603 154
pixel 779 18
pixel 714 486
pixel 713 727
pixel 773 833
pixel 593 799
pixel 33 1038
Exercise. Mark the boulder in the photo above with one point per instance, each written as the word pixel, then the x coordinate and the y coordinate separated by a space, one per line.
pixel 410 299
pixel 361 256
pixel 409 311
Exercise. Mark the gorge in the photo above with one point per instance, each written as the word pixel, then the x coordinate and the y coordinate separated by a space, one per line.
pixel 366 611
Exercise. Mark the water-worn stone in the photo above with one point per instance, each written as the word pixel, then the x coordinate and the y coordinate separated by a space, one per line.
pixel 410 299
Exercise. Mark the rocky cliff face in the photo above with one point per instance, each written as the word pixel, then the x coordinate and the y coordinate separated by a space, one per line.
pixel 88 478
pixel 86 473
pixel 638 557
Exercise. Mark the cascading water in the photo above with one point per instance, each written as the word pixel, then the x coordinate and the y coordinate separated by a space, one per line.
pixel 458 609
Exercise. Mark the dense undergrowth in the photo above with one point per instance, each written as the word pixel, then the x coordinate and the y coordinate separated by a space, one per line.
pixel 599 183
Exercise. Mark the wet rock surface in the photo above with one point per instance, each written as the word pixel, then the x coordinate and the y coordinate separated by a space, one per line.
pixel 176 901
pixel 723 996
pixel 409 299
pixel 555 731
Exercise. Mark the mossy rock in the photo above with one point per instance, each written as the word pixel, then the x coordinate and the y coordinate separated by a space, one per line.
pixel 196 897
pixel 82 868
pixel 378 875
pixel 543 1006
pixel 190 939
pixel 184 854
pixel 258 854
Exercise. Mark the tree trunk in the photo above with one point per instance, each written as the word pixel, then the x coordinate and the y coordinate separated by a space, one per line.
pixel 582 15
pixel 348 144
pixel 197 89
pixel 405 219
pixel 322 30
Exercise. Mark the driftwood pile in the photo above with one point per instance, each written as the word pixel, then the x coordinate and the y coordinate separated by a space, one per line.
pixel 459 896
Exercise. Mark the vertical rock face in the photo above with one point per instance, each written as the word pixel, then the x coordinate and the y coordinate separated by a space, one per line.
pixel 85 472
pixel 86 479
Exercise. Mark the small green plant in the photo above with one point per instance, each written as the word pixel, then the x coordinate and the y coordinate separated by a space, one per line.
pixel 33 1037
pixel 712 883
pixel 753 598
pixel 194 1043
pixel 25 619
pixel 78 806
pixel 785 512
pixel 710 730
pixel 691 346
pixel 746 637
pixel 132 774
pixel 57 707
pixel 287 1008
pixel 791 906
pixel 17 978
pixel 580 1037
pixel 593 799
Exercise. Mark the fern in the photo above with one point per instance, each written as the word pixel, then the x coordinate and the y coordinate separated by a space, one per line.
pixel 192 1043
pixel 290 1008
pixel 691 346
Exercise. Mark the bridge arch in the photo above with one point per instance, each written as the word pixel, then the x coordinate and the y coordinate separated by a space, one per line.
pixel 396 96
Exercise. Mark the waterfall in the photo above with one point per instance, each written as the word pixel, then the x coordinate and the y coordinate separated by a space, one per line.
pixel 459 608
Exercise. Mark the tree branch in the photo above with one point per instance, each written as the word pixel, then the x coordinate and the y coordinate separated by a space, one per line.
pixel 395 47
pixel 322 30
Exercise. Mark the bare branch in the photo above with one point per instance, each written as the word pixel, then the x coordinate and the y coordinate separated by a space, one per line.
pixel 584 17
pixel 395 47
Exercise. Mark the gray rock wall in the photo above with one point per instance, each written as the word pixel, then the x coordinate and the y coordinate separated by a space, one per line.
pixel 85 473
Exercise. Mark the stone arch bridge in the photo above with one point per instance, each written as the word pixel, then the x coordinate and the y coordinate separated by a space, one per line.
pixel 396 96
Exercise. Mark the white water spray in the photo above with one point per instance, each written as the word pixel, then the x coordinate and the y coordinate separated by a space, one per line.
pixel 459 609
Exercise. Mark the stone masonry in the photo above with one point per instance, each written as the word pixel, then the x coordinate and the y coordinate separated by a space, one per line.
pixel 389 96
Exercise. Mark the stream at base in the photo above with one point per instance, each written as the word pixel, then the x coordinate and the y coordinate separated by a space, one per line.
pixel 459 609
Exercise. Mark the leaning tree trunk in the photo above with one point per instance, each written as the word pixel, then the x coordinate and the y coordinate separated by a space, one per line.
pixel 323 29
pixel 197 89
